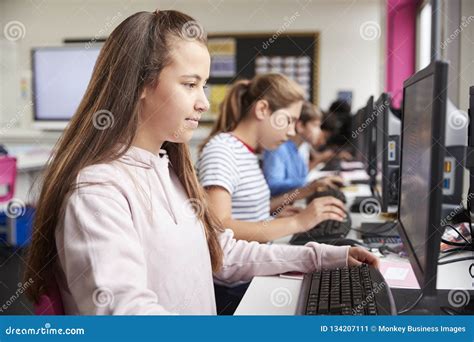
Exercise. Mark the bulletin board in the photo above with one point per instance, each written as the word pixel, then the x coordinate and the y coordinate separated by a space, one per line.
pixel 237 56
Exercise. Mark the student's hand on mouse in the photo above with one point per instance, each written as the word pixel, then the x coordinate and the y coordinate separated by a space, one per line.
pixel 359 255
pixel 327 155
pixel 288 211
pixel 344 155
pixel 332 181
pixel 319 210
pixel 317 185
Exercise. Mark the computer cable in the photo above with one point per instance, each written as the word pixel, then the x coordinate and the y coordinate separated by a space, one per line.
pixel 452 251
pixel 409 308
pixel 450 311
pixel 469 203
pixel 452 243
pixel 455 260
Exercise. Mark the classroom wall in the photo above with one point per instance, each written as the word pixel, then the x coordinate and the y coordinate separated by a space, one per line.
pixel 350 59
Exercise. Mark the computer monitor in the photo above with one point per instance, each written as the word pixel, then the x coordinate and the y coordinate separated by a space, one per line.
pixel 421 170
pixel 470 136
pixel 371 136
pixel 362 133
pixel 455 141
pixel 60 79
pixel 356 136
pixel 387 156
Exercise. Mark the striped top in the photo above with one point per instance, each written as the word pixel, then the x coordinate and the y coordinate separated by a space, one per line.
pixel 226 162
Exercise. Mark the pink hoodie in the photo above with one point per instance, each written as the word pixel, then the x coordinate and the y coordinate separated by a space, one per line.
pixel 131 244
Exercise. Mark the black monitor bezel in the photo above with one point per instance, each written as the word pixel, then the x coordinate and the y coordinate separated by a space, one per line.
pixel 369 137
pixel 426 274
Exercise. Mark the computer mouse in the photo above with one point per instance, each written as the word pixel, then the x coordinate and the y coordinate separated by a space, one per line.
pixel 329 192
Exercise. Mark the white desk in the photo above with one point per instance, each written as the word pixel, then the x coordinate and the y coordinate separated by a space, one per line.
pixel 274 295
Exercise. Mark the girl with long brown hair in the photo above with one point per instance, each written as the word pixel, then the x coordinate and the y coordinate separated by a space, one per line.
pixel 122 225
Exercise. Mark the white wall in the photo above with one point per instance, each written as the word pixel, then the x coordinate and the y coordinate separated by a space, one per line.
pixel 347 61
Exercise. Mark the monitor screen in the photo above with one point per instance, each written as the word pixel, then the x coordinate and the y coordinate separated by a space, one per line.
pixel 60 79
pixel 416 163
pixel 421 170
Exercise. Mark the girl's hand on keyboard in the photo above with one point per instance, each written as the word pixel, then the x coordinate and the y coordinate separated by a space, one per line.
pixel 319 210
pixel 359 255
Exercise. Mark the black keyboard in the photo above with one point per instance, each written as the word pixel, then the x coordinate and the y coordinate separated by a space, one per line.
pixel 332 165
pixel 376 234
pixel 326 232
pixel 355 290
pixel 379 241
pixel 329 192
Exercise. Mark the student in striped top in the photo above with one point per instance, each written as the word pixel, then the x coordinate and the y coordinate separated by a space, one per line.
pixel 256 115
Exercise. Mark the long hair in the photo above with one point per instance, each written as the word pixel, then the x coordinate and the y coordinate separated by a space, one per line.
pixel 131 59
pixel 277 89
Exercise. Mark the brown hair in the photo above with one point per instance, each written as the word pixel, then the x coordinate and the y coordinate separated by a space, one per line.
pixel 131 59
pixel 277 89
pixel 310 112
